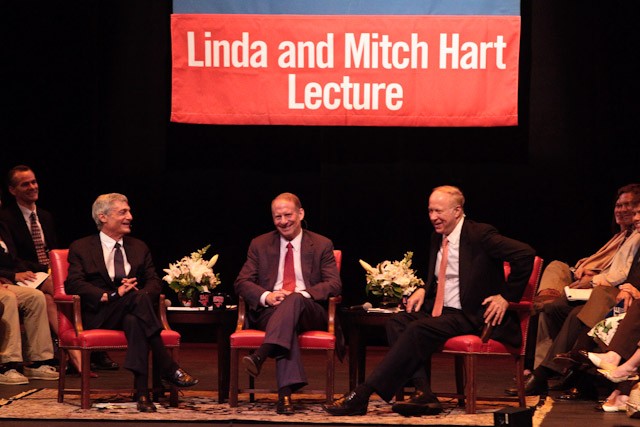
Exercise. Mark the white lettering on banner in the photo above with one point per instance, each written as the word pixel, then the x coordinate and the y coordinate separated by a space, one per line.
pixel 368 51
pixel 350 96
pixel 474 56
pixel 320 54
pixel 222 53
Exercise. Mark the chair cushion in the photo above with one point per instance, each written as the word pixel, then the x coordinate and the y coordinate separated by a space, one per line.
pixel 473 344
pixel 317 340
pixel 108 338
pixel 253 338
pixel 247 338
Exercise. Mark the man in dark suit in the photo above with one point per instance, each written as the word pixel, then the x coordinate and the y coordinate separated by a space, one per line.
pixel 117 282
pixel 34 234
pixel 462 293
pixel 285 301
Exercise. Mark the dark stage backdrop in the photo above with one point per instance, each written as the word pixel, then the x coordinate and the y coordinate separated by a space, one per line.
pixel 86 94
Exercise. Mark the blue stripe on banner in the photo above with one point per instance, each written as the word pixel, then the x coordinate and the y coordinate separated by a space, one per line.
pixel 350 7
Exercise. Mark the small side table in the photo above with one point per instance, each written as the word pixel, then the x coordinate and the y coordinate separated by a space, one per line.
pixel 225 323
pixel 359 321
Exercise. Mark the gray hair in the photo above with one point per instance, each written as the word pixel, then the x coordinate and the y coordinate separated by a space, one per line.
pixel 103 205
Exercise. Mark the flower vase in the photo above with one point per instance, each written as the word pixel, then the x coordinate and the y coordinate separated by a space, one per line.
pixel 390 302
pixel 185 300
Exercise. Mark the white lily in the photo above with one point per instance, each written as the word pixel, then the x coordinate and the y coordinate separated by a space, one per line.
pixel 213 261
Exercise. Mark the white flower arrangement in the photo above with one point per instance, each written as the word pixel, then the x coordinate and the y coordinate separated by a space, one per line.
pixel 192 273
pixel 392 279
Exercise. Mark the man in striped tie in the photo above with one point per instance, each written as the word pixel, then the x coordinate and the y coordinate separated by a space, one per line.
pixel 33 231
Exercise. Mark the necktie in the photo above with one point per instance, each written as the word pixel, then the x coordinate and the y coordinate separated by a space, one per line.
pixel 442 274
pixel 289 275
pixel 118 265
pixel 36 235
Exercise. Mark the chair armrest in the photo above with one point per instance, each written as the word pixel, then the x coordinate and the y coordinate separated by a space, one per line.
pixel 242 312
pixel 77 314
pixel 163 303
pixel 331 321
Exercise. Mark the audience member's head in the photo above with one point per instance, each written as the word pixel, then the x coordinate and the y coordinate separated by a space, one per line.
pixel 22 184
pixel 628 197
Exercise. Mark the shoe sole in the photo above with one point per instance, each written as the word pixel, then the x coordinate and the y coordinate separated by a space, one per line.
pixel 42 378
pixel 250 367
pixel 345 414
pixel 14 383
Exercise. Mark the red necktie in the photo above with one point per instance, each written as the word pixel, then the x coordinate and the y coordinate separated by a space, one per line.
pixel 289 274
pixel 36 235
pixel 442 274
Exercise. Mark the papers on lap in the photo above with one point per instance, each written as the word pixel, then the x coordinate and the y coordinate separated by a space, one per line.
pixel 577 294
pixel 40 277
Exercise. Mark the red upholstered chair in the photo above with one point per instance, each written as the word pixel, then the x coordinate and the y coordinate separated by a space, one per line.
pixel 246 340
pixel 467 348
pixel 72 336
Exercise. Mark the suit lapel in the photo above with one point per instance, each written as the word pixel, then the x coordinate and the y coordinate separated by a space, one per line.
pixel 465 257
pixel 98 258
pixel 306 257
pixel 274 258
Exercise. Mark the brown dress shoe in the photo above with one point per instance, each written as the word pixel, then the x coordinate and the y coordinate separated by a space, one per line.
pixel 285 406
pixel 145 404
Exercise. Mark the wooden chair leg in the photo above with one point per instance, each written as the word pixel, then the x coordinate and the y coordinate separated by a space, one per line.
pixel 470 386
pixel 62 357
pixel 330 375
pixel 522 400
pixel 458 361
pixel 85 380
pixel 233 381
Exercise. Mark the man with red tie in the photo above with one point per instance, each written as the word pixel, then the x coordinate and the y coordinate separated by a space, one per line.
pixel 465 289
pixel 288 275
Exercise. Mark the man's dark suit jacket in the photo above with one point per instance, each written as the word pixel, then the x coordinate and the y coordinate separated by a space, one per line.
pixel 259 273
pixel 9 263
pixel 483 251
pixel 21 235
pixel 88 276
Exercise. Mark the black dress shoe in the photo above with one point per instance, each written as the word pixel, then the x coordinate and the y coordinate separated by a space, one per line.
pixel 145 404
pixel 285 406
pixel 574 393
pixel 567 381
pixel 572 359
pixel 349 404
pixel 180 378
pixel 100 361
pixel 534 386
pixel 420 403
pixel 252 363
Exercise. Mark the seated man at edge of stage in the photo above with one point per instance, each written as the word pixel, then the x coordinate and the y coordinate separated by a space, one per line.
pixel 117 282
pixel 288 275
pixel 465 290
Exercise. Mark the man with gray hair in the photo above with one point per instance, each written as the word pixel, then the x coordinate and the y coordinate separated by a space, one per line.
pixel 117 282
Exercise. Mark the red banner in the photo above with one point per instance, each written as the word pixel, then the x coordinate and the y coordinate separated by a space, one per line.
pixel 345 70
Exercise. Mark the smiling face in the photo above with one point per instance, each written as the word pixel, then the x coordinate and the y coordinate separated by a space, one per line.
pixel 117 222
pixel 444 212
pixel 287 218
pixel 24 188
pixel 624 209
pixel 636 218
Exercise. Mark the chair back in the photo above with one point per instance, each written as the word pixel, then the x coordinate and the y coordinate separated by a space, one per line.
pixel 337 254
pixel 59 272
pixel 523 307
